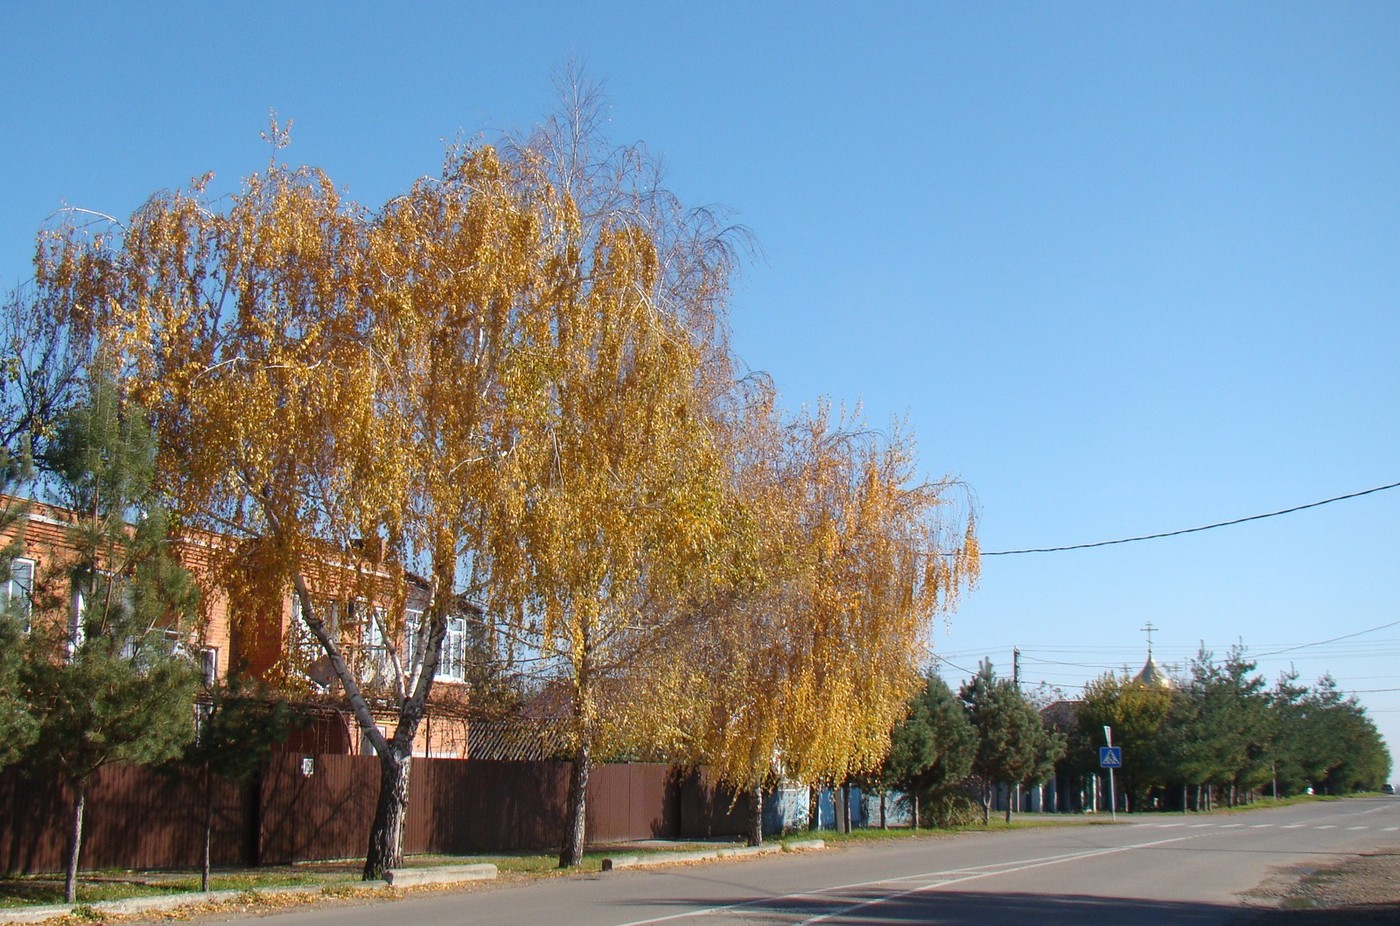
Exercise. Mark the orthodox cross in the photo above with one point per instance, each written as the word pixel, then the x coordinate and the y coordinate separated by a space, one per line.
pixel 1149 628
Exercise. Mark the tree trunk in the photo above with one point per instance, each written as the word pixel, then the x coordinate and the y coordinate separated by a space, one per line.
pixel 916 810
pixel 208 827
pixel 846 806
pixel 986 803
pixel 75 843
pixel 386 835
pixel 756 815
pixel 572 853
pixel 814 807
pixel 884 824
pixel 1010 799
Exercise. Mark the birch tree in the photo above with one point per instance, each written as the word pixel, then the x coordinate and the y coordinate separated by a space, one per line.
pixel 616 504
pixel 323 382
pixel 843 558
pixel 498 381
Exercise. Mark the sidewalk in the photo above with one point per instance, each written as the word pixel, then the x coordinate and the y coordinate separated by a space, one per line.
pixel 401 878
pixel 606 858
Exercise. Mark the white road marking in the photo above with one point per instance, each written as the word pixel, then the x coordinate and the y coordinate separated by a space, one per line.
pixel 1037 863
pixel 958 875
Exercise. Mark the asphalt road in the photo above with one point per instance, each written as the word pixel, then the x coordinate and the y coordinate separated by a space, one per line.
pixel 1150 870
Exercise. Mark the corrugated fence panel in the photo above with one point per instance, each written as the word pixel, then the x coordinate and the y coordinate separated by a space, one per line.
pixel 321 807
pixel 633 801
pixel 708 810
pixel 32 829
pixel 318 811
pixel 473 805
pixel 134 818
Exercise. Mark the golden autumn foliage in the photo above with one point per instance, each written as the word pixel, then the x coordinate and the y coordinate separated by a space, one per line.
pixel 816 639
pixel 512 383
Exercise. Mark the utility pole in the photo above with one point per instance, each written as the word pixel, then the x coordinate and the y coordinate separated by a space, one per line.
pixel 1016 667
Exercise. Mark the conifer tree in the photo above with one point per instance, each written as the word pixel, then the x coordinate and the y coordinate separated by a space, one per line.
pixel 932 749
pixel 239 727
pixel 18 726
pixel 1013 745
pixel 107 681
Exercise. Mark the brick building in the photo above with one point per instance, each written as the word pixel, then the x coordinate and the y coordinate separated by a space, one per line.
pixel 260 634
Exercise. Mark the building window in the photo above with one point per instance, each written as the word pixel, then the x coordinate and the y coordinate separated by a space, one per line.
pixel 209 664
pixel 452 662
pixel 104 594
pixel 376 669
pixel 412 622
pixel 18 590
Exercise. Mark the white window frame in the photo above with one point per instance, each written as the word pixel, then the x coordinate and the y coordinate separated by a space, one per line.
pixel 19 590
pixel 452 662
pixel 209 664
pixel 452 659
pixel 375 663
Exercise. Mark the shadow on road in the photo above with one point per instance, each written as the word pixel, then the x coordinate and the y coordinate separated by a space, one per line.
pixel 942 908
pixel 1357 915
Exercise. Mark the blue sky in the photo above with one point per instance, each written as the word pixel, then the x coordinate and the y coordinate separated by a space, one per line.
pixel 1126 268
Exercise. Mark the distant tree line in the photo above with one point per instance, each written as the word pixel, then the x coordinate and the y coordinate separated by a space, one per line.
pixel 950 747
pixel 1219 735
pixel 1222 735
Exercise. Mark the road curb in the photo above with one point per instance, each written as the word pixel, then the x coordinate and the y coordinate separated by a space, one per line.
pixel 618 862
pixel 446 874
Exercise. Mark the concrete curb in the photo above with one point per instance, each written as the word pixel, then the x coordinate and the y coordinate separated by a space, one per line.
pixel 669 858
pixel 32 914
pixel 447 874
pixel 657 858
pixel 745 851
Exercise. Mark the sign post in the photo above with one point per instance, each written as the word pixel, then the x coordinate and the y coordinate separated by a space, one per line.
pixel 1111 757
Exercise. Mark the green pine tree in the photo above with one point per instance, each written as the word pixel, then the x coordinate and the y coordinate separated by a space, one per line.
pixel 932 749
pixel 104 673
pixel 240 726
pixel 1013 745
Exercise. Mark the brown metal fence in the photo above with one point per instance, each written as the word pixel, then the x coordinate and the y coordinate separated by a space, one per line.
pixel 134 818
pixel 321 807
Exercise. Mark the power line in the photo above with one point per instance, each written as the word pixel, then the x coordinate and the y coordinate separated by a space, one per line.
pixel 941 660
pixel 1345 636
pixel 1193 530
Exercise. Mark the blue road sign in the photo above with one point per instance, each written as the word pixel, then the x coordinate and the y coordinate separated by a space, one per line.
pixel 1110 757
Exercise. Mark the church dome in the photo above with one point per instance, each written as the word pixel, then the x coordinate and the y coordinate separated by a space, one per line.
pixel 1152 675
